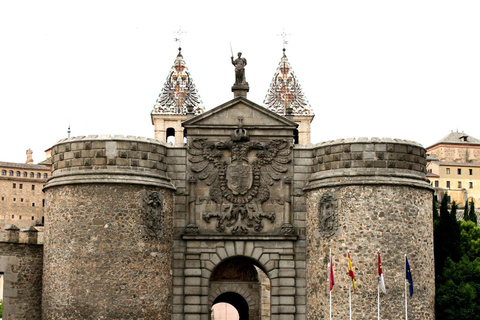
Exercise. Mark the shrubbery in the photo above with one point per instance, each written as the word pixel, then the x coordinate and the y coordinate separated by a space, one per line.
pixel 457 264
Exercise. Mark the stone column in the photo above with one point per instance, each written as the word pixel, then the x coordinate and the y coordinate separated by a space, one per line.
pixel 108 233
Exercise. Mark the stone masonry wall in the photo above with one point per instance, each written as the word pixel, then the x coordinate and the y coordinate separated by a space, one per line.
pixel 109 236
pixel 94 158
pixel 365 160
pixel 22 266
pixel 396 220
pixel 363 196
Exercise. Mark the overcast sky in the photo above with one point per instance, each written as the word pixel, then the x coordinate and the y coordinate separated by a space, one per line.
pixel 395 69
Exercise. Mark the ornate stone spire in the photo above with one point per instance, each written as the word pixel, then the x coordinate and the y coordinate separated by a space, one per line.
pixel 285 95
pixel 179 95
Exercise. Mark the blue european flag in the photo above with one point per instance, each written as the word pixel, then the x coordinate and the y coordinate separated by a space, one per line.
pixel 408 276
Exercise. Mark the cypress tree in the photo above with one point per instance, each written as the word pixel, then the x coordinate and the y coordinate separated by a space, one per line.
pixel 466 213
pixel 472 215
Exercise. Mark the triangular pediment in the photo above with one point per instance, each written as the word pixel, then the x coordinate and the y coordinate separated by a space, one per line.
pixel 229 113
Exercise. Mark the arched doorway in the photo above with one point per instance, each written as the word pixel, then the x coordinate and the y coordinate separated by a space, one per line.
pixel 240 282
pixel 236 301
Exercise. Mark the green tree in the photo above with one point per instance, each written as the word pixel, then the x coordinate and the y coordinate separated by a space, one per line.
pixel 470 240
pixel 458 297
pixel 466 213
pixel 446 236
pixel 458 287
pixel 472 215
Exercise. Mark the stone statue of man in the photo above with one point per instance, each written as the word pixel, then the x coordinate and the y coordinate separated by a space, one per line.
pixel 240 64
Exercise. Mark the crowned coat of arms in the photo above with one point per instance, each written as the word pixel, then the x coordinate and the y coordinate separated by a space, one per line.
pixel 239 173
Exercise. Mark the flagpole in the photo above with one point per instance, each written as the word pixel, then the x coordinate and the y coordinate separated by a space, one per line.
pixel 378 289
pixel 378 297
pixel 349 292
pixel 406 308
pixel 329 271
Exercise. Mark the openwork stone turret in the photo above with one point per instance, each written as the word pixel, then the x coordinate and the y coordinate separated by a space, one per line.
pixel 285 97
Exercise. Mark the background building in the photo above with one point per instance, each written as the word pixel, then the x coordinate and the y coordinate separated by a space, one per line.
pixel 453 167
pixel 22 201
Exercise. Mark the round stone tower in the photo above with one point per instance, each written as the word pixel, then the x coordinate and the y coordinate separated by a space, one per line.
pixel 108 233
pixel 364 196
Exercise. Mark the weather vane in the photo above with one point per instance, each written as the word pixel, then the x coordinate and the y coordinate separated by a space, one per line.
pixel 284 36
pixel 179 39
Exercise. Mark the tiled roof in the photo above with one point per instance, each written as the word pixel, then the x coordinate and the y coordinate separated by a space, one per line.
pixel 178 92
pixel 23 166
pixel 458 138
pixel 285 91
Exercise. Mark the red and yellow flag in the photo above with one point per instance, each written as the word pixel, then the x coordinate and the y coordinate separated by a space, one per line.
pixel 350 272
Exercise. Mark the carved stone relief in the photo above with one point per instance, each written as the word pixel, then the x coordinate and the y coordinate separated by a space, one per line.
pixel 152 211
pixel 240 174
pixel 328 215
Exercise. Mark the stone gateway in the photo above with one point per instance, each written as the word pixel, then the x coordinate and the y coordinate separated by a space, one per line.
pixel 237 208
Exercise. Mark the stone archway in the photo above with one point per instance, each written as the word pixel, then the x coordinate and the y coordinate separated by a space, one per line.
pixel 237 301
pixel 236 281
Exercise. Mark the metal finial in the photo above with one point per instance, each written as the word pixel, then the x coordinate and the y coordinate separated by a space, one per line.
pixel 284 37
pixel 179 39
pixel 68 131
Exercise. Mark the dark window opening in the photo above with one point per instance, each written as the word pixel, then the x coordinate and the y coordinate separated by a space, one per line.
pixel 170 136
pixel 185 136
pixel 295 136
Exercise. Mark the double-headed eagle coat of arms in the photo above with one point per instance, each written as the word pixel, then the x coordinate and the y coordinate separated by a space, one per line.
pixel 239 183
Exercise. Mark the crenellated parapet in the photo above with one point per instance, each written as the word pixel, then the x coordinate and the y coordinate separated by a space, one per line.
pixel 28 235
pixel 109 159
pixel 368 161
